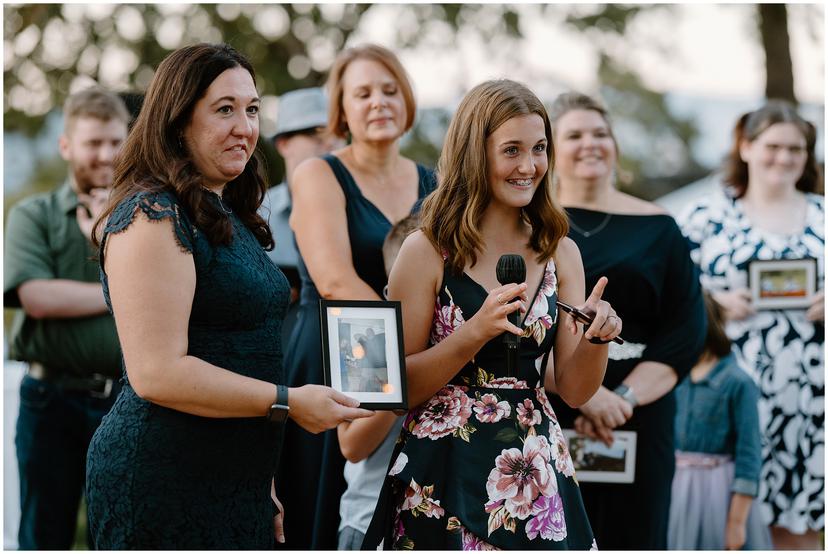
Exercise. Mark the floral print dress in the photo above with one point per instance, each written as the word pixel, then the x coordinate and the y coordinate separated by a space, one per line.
pixel 483 464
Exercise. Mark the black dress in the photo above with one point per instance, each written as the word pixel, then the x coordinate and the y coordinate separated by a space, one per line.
pixel 654 287
pixel 483 463
pixel 162 479
pixel 310 481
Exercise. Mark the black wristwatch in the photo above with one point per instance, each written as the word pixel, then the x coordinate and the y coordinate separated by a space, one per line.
pixel 627 394
pixel 278 412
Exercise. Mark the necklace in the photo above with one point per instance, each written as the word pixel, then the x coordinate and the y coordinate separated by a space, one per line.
pixel 224 208
pixel 595 231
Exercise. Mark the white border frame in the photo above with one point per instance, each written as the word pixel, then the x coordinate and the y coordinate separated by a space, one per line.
pixel 388 315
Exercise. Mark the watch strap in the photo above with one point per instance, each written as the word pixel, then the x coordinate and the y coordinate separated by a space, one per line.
pixel 627 394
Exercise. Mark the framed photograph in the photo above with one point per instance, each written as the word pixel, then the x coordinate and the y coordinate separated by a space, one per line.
pixel 363 353
pixel 595 462
pixel 782 284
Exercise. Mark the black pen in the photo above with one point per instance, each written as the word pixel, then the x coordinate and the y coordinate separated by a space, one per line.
pixel 582 317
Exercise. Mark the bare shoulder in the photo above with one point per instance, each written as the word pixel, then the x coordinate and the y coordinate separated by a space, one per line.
pixel 417 247
pixel 628 204
pixel 567 253
pixel 313 172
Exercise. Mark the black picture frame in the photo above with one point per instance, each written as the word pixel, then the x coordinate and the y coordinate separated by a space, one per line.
pixel 363 354
pixel 787 284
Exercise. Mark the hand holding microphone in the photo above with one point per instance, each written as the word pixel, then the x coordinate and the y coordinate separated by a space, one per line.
pixel 511 268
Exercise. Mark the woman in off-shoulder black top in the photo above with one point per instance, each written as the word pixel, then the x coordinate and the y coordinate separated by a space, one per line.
pixel 654 287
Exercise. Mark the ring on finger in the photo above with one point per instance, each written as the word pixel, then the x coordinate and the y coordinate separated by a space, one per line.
pixel 500 300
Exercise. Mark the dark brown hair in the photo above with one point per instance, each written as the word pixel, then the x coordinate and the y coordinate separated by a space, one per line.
pixel 337 125
pixel 154 156
pixel 451 214
pixel 94 102
pixel 753 124
pixel 716 343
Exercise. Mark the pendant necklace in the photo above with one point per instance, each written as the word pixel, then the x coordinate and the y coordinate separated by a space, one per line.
pixel 595 231
pixel 224 208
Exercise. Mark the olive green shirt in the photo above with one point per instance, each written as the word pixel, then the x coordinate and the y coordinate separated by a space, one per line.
pixel 43 241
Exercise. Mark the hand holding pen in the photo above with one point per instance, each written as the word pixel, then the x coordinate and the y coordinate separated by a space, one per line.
pixel 608 325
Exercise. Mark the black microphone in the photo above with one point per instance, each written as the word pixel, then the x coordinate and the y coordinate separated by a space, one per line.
pixel 511 269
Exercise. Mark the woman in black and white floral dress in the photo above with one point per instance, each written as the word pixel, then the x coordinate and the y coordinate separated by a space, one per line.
pixel 768 212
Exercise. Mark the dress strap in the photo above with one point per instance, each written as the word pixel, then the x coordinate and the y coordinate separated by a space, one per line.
pixel 343 176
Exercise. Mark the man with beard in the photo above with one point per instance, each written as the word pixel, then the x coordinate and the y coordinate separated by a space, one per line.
pixel 64 330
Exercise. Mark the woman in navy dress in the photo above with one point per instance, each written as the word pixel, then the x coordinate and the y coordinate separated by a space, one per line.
pixel 186 458
pixel 481 463
pixel 655 288
pixel 344 205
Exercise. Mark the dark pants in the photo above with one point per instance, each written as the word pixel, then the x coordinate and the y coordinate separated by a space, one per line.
pixel 54 428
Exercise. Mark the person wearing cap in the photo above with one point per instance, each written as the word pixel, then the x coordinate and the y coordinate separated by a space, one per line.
pixel 300 134
pixel 62 328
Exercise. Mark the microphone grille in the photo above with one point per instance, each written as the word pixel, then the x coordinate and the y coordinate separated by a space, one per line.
pixel 511 269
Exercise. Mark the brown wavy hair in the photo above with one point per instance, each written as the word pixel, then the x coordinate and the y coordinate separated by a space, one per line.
pixel 337 125
pixel 716 342
pixel 753 124
pixel 451 214
pixel 154 157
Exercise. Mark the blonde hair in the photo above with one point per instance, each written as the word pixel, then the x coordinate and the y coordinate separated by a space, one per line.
pixel 451 214
pixel 337 125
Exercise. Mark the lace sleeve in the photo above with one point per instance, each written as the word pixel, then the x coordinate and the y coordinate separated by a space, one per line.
pixel 156 205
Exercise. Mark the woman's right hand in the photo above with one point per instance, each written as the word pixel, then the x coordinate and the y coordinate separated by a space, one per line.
pixel 736 303
pixel 492 319
pixel 317 408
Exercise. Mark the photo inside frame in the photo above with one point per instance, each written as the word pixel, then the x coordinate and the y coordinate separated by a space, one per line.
pixel 782 284
pixel 594 461
pixel 363 355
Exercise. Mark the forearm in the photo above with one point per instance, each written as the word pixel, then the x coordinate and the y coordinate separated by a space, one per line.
pixel 429 371
pixel 650 381
pixel 577 379
pixel 739 508
pixel 61 299
pixel 193 386
pixel 359 439
pixel 344 286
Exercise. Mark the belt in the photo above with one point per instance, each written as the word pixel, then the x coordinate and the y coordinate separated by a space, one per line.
pixel 96 385
pixel 697 459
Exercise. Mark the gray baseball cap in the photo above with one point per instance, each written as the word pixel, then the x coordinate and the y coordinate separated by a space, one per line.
pixel 301 109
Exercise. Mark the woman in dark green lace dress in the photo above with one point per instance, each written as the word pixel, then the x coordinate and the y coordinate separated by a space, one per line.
pixel 186 457
pixel 481 462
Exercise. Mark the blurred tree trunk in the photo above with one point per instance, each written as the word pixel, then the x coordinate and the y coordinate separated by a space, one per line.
pixel 773 26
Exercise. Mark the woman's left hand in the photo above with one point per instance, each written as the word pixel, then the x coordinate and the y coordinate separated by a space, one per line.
pixel 607 409
pixel 606 324
pixel 816 312
pixel 279 520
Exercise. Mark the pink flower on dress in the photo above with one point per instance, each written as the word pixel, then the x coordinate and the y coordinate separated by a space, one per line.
pixel 446 319
pixel 546 406
pixel 399 464
pixel 540 308
pixel 489 410
pixel 447 410
pixel 507 383
pixel 472 542
pixel 549 520
pixel 418 500
pixel 527 415
pixel 563 461
pixel 519 477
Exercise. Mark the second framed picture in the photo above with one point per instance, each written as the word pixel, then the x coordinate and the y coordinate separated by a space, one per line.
pixel 782 284
pixel 363 353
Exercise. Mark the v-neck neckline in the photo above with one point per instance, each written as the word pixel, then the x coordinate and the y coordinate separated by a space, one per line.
pixel 374 206
pixel 534 298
